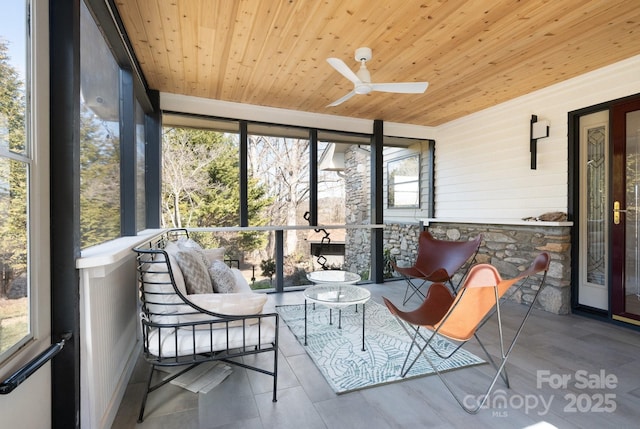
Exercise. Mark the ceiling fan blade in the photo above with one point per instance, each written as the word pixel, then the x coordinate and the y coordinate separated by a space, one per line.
pixel 343 99
pixel 343 69
pixel 401 87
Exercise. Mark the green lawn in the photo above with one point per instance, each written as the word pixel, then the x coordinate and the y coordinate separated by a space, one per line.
pixel 13 321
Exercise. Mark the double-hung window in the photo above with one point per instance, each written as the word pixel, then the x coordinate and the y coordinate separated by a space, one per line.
pixel 403 182
pixel 15 171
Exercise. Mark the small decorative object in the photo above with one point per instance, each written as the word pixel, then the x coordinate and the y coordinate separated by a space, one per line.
pixel 548 217
pixel 553 217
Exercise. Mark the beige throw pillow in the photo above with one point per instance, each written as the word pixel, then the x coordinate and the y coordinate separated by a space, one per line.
pixel 188 244
pixel 194 271
pixel 222 278
pixel 216 254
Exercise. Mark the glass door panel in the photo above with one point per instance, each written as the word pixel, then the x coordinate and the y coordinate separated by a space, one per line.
pixel 593 284
pixel 625 241
pixel 632 267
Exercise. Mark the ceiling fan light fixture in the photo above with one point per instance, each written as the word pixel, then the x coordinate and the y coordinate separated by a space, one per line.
pixel 362 89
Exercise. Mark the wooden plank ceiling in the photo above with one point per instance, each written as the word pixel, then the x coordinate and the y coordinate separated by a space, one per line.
pixel 473 53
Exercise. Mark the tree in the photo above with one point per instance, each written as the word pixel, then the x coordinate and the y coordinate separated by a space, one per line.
pixel 268 267
pixel 186 157
pixel 13 174
pixel 12 103
pixel 282 164
pixel 201 185
pixel 99 178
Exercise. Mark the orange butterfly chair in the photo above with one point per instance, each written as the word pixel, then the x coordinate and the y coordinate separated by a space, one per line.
pixel 459 317
pixel 437 261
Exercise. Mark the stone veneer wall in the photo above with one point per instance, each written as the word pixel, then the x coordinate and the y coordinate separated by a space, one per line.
pixel 512 248
pixel 402 241
pixel 357 249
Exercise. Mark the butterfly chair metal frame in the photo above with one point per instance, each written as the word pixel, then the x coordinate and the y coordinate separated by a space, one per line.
pixel 459 317
pixel 437 262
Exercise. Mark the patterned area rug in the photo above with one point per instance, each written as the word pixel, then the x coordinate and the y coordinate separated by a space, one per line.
pixel 338 352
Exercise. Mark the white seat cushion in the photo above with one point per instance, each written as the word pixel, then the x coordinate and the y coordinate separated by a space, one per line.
pixel 205 340
pixel 233 304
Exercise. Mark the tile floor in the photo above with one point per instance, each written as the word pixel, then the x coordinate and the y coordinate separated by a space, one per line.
pixel 599 362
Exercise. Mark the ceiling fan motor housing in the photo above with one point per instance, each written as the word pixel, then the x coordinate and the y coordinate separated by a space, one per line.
pixel 363 74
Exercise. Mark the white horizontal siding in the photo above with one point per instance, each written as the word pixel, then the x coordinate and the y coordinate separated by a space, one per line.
pixel 482 161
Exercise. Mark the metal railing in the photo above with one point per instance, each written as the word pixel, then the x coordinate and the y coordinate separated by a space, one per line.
pixel 278 232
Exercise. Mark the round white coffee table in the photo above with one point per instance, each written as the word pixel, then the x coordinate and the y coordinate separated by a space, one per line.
pixel 336 295
pixel 333 276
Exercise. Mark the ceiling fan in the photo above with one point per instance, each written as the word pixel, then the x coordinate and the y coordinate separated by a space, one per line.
pixel 362 79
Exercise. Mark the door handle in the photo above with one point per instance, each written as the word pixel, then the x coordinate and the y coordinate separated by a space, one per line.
pixel 616 212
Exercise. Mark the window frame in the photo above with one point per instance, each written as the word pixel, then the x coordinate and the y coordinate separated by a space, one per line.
pixel 136 212
pixel 391 185
pixel 36 156
pixel 25 157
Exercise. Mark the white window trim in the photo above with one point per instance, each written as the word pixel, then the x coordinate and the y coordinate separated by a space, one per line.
pixel 38 211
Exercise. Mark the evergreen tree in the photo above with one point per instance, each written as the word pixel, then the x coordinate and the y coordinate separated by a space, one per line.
pixel 201 186
pixel 13 174
pixel 99 179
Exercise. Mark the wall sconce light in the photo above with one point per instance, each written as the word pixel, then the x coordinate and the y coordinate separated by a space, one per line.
pixel 538 130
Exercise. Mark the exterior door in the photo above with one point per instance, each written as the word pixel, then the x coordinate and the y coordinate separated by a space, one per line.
pixel 625 245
